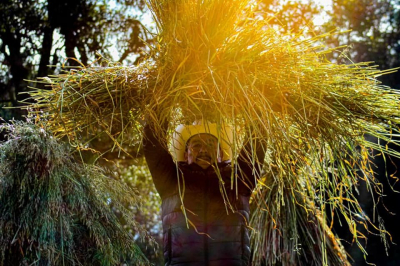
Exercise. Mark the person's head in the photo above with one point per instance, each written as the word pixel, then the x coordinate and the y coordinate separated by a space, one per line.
pixel 203 150
pixel 184 148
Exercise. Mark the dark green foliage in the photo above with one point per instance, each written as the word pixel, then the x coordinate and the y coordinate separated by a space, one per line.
pixel 374 35
pixel 36 34
pixel 55 211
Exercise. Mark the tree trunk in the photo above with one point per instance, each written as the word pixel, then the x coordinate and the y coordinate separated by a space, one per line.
pixel 70 43
pixel 14 59
pixel 45 52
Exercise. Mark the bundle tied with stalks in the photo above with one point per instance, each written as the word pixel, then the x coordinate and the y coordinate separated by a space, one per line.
pixel 232 67
pixel 56 211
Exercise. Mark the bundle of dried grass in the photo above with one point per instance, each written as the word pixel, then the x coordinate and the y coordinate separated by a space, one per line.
pixel 232 67
pixel 291 230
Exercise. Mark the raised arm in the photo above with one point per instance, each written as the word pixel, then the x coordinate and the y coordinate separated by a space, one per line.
pixel 159 161
pixel 250 162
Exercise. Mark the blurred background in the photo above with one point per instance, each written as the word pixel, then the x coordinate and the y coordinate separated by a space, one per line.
pixel 39 37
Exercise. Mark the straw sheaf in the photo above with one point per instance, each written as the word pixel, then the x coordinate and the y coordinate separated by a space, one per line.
pixel 221 62
pixel 242 67
pixel 90 101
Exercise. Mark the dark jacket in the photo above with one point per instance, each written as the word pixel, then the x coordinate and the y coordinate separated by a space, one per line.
pixel 205 222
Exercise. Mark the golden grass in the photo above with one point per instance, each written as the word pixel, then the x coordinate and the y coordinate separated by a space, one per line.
pixel 232 67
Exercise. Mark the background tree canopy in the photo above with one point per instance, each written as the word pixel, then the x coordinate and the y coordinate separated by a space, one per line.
pixel 35 35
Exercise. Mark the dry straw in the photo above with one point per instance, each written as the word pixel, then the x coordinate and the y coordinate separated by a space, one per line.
pixel 219 60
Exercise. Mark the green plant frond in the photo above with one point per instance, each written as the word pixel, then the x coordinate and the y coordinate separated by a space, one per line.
pixel 59 212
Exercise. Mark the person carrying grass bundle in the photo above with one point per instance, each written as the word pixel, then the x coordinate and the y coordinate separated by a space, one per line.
pixel 205 208
pixel 205 202
pixel 233 65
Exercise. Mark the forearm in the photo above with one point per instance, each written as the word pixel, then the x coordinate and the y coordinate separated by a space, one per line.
pixel 251 160
pixel 159 161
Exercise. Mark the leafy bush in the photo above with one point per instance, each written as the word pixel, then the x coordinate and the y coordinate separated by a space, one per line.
pixel 56 211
